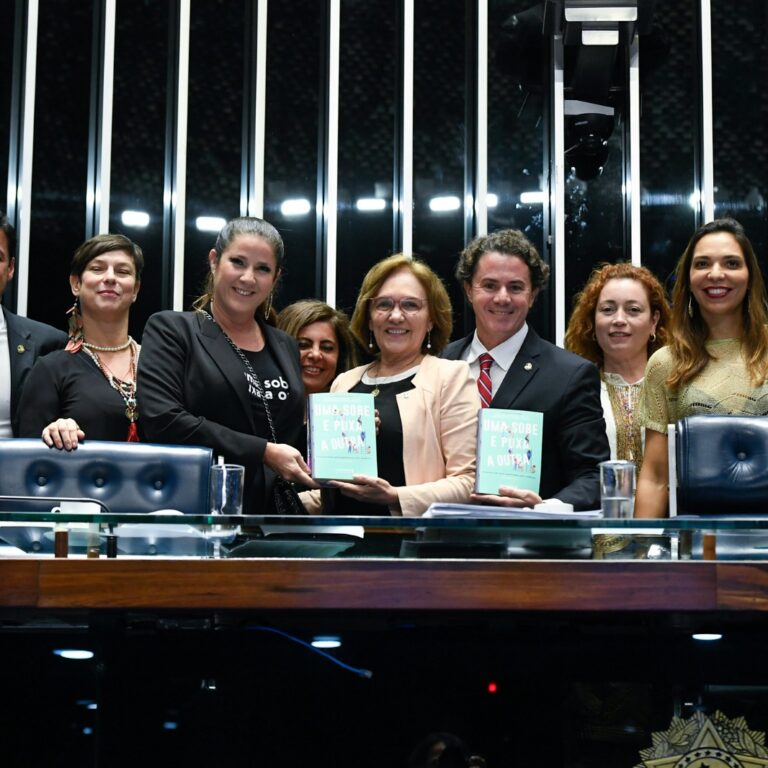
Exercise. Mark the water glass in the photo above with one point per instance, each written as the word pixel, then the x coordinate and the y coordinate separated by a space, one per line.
pixel 617 489
pixel 225 498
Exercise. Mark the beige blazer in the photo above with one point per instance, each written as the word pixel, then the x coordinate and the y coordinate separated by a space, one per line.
pixel 439 418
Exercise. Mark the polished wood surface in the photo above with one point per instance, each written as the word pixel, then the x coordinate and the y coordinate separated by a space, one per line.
pixel 293 584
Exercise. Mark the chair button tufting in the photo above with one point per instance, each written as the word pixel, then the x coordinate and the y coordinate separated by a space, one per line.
pixel 99 482
pixel 42 480
pixel 741 455
pixel 158 485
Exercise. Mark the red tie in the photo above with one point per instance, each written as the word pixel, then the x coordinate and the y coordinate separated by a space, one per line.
pixel 484 386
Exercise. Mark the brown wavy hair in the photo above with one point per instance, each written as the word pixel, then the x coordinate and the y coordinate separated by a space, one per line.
pixel 580 336
pixel 438 301
pixel 297 316
pixel 689 331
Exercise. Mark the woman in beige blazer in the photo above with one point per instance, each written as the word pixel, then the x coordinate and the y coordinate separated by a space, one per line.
pixel 427 406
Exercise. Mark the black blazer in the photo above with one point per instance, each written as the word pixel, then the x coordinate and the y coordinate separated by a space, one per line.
pixel 27 340
pixel 566 389
pixel 191 391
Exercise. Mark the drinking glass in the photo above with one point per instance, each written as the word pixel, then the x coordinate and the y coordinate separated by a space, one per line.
pixel 617 489
pixel 226 498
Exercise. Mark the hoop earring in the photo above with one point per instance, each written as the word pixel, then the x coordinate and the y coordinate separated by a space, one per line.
pixel 652 338
pixel 268 307
pixel 370 339
pixel 429 339
pixel 690 307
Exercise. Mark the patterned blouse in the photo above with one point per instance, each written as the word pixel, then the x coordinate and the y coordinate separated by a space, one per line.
pixel 723 387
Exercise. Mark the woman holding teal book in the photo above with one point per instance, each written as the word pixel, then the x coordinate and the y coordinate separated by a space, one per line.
pixel 427 406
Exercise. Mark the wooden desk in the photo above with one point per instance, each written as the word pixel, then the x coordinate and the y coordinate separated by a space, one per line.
pixel 383 585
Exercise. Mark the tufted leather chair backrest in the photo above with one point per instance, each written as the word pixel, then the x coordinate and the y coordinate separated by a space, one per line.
pixel 722 465
pixel 127 477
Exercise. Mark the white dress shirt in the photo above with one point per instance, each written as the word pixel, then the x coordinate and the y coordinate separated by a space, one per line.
pixel 503 356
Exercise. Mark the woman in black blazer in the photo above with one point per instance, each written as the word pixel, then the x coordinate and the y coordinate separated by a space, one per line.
pixel 196 387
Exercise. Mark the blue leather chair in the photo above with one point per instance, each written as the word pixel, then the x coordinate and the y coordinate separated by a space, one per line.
pixel 722 465
pixel 125 477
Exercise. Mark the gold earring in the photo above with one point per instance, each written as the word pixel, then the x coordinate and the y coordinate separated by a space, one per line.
pixel 268 307
pixel 690 307
pixel 370 339
pixel 429 339
pixel 652 338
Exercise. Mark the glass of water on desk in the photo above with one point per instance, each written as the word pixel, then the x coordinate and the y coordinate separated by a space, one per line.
pixel 226 498
pixel 617 489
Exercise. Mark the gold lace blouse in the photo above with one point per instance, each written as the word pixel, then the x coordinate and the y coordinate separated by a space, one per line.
pixel 723 386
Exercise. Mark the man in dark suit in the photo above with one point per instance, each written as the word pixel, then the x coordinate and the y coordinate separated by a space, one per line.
pixel 22 340
pixel 502 274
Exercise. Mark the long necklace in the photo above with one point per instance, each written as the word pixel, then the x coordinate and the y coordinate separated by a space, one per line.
pixel 624 398
pixel 126 389
pixel 118 348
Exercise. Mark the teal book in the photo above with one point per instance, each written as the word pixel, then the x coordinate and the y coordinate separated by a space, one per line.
pixel 508 449
pixel 341 435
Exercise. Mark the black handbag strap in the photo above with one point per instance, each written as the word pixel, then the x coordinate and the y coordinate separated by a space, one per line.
pixel 249 368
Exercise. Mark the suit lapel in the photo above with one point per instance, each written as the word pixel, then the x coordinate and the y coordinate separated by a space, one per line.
pixel 232 369
pixel 21 349
pixel 521 373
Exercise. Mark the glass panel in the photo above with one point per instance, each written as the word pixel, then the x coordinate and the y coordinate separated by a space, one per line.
pixel 517 85
pixel 138 140
pixel 367 89
pixel 62 104
pixel 740 56
pixel 214 140
pixel 668 135
pixel 6 73
pixel 439 139
pixel 291 161
pixel 594 204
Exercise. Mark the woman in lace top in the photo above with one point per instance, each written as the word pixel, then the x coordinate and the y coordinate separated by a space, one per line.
pixel 717 359
pixel 618 320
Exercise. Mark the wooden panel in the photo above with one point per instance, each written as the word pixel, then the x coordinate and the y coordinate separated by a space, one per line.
pixel 742 586
pixel 19 582
pixel 378 585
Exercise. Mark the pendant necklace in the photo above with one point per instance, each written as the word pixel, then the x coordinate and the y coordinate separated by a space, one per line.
pixel 126 389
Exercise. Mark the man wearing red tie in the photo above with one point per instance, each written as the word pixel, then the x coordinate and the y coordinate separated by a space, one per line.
pixel 502 274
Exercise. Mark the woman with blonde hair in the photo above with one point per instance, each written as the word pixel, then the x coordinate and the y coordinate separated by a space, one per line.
pixel 618 320
pixel 717 358
pixel 427 406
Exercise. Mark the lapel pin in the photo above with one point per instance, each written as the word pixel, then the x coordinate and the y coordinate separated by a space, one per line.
pixel 21 349
pixel 528 366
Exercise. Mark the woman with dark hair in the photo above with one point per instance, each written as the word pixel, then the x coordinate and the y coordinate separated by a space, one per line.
pixel 618 320
pixel 326 346
pixel 717 358
pixel 427 406
pixel 219 375
pixel 89 388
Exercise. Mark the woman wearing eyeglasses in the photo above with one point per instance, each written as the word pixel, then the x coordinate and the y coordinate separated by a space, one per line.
pixel 427 406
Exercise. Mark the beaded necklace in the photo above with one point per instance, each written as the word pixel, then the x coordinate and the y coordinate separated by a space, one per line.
pixel 118 348
pixel 126 389
pixel 624 399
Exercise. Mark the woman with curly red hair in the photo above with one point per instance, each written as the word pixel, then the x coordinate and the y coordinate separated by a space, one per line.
pixel 618 320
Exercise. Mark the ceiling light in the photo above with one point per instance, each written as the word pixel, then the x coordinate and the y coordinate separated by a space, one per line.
pixel 707 636
pixel 76 654
pixel 326 641
pixel 135 218
pixel 297 207
pixel 210 223
pixel 371 204
pixel 445 203
pixel 597 13
pixel 532 198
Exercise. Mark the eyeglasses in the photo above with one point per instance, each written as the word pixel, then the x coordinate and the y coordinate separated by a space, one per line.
pixel 407 305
